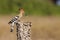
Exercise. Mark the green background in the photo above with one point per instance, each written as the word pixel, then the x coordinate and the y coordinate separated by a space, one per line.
pixel 31 7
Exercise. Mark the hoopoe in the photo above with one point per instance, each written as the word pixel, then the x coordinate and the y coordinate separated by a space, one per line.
pixel 16 18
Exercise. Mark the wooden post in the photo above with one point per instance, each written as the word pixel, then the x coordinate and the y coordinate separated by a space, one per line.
pixel 23 30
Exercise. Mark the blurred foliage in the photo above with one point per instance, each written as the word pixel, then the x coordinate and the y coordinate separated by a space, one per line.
pixel 31 7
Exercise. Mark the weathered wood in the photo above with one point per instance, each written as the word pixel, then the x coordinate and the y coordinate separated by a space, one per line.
pixel 23 30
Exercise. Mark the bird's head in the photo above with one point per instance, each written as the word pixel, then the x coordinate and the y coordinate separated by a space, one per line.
pixel 21 10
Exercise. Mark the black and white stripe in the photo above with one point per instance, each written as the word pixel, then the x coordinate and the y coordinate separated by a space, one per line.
pixel 14 19
pixel 12 22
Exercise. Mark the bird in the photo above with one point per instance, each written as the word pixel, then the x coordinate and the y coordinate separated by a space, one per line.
pixel 18 17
